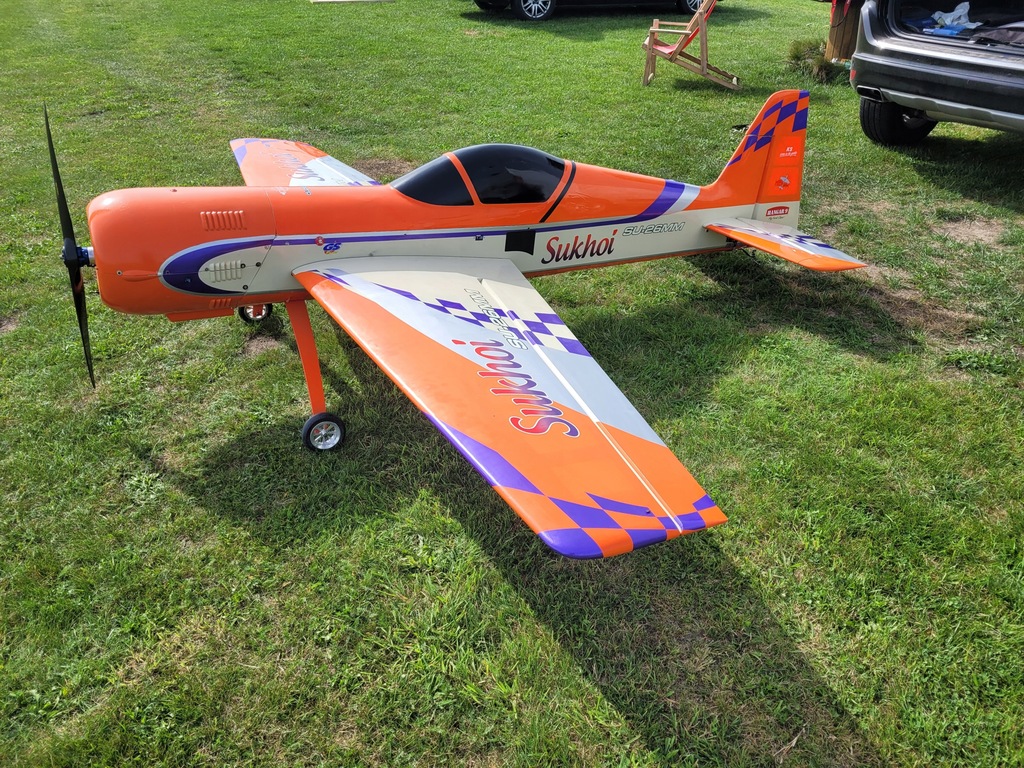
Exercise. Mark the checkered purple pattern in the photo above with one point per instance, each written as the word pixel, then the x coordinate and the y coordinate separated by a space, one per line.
pixel 574 542
pixel 577 542
pixel 761 134
pixel 543 329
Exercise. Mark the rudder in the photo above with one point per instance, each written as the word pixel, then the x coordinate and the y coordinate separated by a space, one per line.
pixel 766 170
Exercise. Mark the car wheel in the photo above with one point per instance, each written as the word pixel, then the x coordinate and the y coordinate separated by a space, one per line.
pixel 887 123
pixel 487 5
pixel 533 10
pixel 691 5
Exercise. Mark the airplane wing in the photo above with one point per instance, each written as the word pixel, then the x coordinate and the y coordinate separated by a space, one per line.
pixel 487 360
pixel 280 163
pixel 786 243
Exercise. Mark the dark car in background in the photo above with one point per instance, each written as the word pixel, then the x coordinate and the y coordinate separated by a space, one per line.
pixel 913 69
pixel 539 10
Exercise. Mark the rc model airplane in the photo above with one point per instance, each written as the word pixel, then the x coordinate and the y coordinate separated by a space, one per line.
pixel 428 275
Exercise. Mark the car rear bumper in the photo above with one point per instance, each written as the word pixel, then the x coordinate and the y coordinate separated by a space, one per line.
pixel 946 80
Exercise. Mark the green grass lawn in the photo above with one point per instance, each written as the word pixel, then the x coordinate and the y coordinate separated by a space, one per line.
pixel 182 584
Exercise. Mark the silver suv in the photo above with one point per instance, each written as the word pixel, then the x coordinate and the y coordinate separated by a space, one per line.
pixel 918 62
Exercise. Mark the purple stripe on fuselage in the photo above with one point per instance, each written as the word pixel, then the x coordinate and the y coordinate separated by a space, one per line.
pixel 669 195
pixel 181 271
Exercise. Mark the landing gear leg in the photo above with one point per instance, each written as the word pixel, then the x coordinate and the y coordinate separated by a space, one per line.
pixel 323 431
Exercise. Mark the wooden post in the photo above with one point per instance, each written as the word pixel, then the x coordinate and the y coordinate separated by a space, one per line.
pixel 842 32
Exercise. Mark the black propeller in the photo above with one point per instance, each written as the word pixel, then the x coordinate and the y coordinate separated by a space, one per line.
pixel 74 257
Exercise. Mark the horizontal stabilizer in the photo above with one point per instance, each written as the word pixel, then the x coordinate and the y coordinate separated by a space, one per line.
pixel 281 163
pixel 786 243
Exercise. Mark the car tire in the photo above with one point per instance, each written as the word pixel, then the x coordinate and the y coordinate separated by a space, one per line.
pixel 887 123
pixel 533 10
pixel 487 5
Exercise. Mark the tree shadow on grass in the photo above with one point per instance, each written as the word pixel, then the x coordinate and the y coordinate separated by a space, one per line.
pixel 677 639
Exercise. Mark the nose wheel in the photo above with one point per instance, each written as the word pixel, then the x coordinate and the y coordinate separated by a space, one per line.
pixel 255 313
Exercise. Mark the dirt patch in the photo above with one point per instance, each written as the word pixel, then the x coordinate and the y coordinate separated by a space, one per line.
pixel 973 231
pixel 913 311
pixel 8 324
pixel 384 169
pixel 257 345
pixel 839 214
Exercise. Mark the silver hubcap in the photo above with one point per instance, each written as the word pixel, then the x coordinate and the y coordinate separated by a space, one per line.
pixel 536 8
pixel 325 435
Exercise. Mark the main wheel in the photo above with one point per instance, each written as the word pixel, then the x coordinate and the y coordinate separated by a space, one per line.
pixel 255 313
pixel 533 10
pixel 888 123
pixel 489 5
pixel 323 432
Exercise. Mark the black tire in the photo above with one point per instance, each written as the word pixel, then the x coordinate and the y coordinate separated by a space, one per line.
pixel 488 5
pixel 887 123
pixel 693 5
pixel 255 313
pixel 323 432
pixel 533 10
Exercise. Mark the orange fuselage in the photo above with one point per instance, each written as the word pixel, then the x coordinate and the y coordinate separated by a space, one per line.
pixel 202 251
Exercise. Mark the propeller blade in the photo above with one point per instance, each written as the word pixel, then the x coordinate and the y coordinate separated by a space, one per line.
pixel 67 229
pixel 70 253
pixel 78 292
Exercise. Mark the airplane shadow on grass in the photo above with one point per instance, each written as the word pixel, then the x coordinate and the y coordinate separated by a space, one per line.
pixel 677 639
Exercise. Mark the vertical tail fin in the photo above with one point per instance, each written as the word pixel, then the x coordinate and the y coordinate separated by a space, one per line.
pixel 766 170
pixel 761 186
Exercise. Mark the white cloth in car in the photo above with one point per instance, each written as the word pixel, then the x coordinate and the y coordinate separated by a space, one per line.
pixel 958 17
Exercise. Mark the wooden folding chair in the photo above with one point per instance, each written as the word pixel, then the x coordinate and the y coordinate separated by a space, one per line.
pixel 673 50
